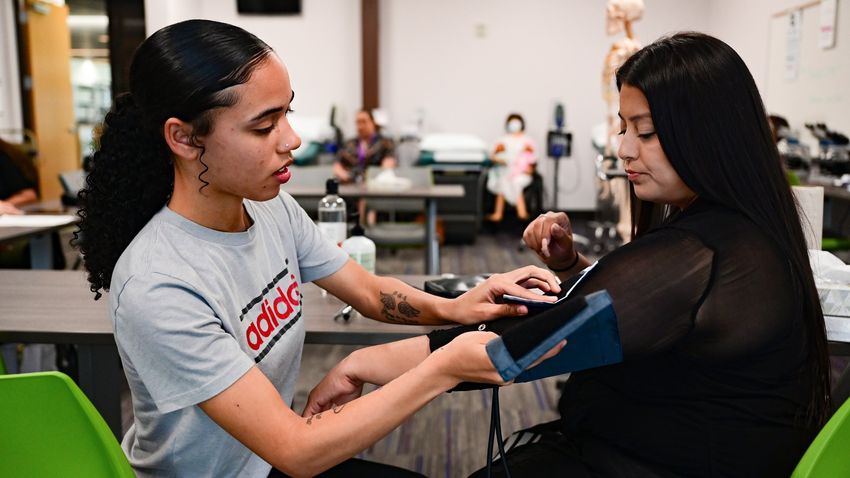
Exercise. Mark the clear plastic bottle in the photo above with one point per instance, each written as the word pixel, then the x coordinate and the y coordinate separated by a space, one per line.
pixel 332 213
pixel 359 247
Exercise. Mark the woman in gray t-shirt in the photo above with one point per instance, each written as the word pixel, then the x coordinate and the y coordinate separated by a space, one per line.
pixel 184 222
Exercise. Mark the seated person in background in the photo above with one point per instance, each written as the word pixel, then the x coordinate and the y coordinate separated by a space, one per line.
pixel 725 369
pixel 514 158
pixel 17 188
pixel 17 179
pixel 369 148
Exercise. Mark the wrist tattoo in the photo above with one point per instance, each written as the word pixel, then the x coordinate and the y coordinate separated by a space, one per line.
pixel 338 408
pixel 317 416
pixel 397 309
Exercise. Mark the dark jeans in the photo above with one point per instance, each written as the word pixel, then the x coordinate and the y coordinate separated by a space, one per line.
pixel 358 467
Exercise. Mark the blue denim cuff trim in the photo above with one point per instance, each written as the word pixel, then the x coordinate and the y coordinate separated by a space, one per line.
pixel 502 360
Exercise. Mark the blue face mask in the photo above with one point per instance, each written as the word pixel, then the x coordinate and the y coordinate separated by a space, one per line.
pixel 514 126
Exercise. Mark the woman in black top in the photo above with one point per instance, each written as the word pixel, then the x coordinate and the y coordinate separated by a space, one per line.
pixel 725 362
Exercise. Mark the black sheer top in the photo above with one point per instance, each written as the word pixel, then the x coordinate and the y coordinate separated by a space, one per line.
pixel 713 382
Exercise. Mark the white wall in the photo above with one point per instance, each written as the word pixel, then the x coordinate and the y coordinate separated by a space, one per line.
pixel 320 47
pixel 745 27
pixel 760 39
pixel 11 119
pixel 468 64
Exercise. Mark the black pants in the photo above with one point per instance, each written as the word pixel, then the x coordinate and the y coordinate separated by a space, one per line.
pixel 555 454
pixel 358 467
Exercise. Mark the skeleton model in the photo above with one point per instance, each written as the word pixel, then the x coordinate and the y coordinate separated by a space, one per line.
pixel 621 14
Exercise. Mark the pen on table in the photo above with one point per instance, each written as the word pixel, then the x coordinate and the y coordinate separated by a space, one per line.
pixel 344 312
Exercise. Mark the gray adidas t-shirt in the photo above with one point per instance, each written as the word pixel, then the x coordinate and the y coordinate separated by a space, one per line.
pixel 193 310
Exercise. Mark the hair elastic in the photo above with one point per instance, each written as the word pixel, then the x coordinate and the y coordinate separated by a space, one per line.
pixel 572 264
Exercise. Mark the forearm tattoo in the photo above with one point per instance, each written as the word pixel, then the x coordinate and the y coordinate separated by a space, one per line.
pixel 318 416
pixel 397 309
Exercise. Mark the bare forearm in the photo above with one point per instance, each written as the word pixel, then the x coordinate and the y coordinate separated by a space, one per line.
pixel 383 363
pixel 330 437
pixel 384 298
pixel 22 197
pixel 399 303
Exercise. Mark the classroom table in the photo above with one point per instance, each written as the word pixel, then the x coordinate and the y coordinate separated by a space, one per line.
pixel 40 222
pixel 429 193
pixel 46 218
pixel 58 307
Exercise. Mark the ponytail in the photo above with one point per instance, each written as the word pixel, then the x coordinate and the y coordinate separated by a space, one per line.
pixel 182 71
pixel 131 178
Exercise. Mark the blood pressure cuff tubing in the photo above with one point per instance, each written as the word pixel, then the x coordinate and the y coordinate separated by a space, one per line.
pixel 588 323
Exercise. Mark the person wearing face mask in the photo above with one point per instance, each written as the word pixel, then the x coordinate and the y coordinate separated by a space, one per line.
pixel 514 162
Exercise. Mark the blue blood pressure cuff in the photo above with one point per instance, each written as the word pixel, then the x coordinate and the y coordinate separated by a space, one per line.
pixel 588 323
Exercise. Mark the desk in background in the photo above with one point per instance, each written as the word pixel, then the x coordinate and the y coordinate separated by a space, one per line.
pixel 430 194
pixel 37 229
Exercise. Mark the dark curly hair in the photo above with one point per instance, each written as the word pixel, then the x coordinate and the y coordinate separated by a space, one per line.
pixel 713 128
pixel 181 71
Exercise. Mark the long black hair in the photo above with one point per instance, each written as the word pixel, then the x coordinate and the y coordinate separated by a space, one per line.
pixel 181 71
pixel 712 125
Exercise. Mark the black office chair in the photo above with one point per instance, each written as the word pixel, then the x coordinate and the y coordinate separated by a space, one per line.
pixel 72 182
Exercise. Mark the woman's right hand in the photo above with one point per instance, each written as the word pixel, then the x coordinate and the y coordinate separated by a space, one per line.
pixel 465 358
pixel 551 237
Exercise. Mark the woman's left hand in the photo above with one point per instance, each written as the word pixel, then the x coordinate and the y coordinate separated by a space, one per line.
pixel 484 302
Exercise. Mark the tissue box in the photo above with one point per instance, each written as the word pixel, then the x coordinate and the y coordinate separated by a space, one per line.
pixel 835 299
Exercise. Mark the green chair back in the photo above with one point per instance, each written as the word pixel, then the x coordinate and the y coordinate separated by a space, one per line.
pixel 49 428
pixel 829 454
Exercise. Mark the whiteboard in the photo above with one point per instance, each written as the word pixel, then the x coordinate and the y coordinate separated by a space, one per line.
pixel 821 91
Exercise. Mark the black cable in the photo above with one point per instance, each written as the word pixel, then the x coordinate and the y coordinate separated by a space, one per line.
pixel 496 433
pixel 491 433
pixel 499 432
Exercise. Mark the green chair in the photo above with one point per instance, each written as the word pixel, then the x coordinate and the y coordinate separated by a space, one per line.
pixel 828 455
pixel 49 428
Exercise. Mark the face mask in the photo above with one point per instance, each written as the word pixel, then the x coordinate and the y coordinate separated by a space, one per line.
pixel 514 126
